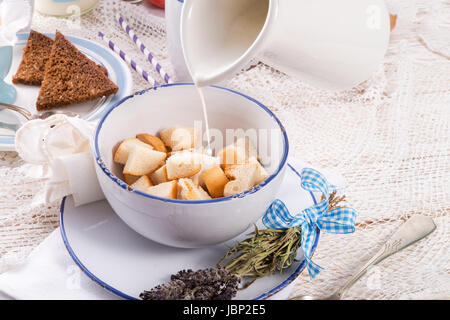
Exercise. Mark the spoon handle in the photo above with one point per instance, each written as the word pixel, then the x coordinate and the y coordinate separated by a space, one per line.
pixel 416 228
pixel 27 114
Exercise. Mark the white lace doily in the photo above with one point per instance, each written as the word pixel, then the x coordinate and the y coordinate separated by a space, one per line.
pixel 389 137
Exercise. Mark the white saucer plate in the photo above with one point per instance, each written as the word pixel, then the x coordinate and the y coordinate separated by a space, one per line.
pixel 126 263
pixel 118 72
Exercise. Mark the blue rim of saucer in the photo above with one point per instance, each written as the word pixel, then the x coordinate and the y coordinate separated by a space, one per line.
pixel 121 294
pixel 99 161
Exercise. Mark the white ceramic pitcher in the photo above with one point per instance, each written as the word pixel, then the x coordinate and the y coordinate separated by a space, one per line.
pixel 332 44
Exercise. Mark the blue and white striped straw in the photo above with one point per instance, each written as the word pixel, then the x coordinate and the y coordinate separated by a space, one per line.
pixel 143 49
pixel 128 60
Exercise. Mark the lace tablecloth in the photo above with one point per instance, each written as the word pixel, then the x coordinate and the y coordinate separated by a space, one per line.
pixel 390 137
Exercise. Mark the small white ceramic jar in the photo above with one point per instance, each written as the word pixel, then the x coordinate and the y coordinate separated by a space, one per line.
pixel 64 8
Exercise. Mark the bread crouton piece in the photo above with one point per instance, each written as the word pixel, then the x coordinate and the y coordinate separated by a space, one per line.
pixel 261 172
pixel 164 190
pixel 241 171
pixel 243 176
pixel 187 190
pixel 142 184
pixel 238 153
pixel 130 179
pixel 228 156
pixel 215 181
pixel 155 142
pixel 182 165
pixel 180 138
pixel 246 148
pixel 159 176
pixel 126 147
pixel 207 162
pixel 171 153
pixel 143 161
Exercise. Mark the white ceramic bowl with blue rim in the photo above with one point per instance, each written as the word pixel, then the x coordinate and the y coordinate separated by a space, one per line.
pixel 179 223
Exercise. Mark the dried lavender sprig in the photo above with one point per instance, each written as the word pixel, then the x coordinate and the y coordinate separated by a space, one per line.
pixel 201 277
pixel 206 284
pixel 167 291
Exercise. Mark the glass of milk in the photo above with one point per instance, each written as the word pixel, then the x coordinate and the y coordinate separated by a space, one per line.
pixel 64 8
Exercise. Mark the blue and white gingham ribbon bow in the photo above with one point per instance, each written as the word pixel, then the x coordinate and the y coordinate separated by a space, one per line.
pixel 339 220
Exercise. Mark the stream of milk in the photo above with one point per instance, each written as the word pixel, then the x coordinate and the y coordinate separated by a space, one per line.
pixel 205 118
pixel 212 50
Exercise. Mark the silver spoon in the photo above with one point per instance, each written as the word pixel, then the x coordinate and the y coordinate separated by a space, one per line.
pixel 416 228
pixel 45 114
pixel 41 115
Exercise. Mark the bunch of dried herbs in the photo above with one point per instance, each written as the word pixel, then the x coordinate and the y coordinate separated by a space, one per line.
pixel 263 253
pixel 268 250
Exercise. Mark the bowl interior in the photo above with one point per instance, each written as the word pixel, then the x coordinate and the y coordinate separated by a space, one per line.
pixel 230 114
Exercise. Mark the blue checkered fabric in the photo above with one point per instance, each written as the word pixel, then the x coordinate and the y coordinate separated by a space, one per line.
pixel 339 220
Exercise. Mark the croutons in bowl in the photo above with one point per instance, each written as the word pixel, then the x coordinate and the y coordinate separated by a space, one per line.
pixel 159 176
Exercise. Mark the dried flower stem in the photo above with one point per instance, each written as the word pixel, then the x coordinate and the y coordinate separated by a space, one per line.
pixel 334 201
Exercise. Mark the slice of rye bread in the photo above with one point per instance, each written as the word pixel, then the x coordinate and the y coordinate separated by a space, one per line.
pixel 35 55
pixel 70 77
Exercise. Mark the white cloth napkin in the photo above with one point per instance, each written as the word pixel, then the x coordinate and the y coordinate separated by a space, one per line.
pixel 50 273
pixel 15 15
pixel 62 144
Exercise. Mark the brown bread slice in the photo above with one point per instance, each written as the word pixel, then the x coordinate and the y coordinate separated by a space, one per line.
pixel 70 77
pixel 35 55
